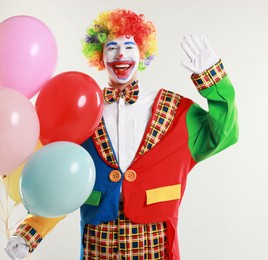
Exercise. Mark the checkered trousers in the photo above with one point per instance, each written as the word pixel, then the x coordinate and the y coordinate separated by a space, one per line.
pixel 122 239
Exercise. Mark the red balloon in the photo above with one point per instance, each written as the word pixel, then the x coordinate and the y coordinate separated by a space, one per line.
pixel 69 108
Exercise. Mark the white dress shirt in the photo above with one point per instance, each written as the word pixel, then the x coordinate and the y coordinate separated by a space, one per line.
pixel 126 125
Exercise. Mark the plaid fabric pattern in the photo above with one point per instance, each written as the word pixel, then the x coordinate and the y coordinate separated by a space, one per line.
pixel 122 239
pixel 129 93
pixel 30 235
pixel 209 77
pixel 101 140
pixel 162 119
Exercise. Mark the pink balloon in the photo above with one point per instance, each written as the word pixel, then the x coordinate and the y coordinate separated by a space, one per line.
pixel 28 54
pixel 19 129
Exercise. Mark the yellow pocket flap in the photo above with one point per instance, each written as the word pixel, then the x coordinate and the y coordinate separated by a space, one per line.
pixel 167 193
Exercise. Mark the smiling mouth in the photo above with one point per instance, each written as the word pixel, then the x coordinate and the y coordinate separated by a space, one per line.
pixel 122 68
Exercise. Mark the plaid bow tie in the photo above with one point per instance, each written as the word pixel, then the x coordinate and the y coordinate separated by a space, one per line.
pixel 129 93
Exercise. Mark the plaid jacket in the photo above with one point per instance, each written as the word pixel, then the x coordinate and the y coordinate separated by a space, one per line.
pixel 179 135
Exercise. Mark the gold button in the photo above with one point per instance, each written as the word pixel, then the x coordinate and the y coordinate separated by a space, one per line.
pixel 130 175
pixel 115 176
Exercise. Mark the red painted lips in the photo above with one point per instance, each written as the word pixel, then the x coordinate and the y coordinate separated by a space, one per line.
pixel 122 69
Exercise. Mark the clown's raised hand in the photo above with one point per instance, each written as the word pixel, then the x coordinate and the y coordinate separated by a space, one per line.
pixel 201 55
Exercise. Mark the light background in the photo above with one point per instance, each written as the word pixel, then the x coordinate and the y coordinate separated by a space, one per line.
pixel 224 211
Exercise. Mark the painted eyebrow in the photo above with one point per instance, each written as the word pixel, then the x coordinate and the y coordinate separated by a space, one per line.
pixel 133 43
pixel 111 43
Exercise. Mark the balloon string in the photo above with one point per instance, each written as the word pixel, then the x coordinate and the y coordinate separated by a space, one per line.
pixel 8 214
pixel 5 213
pixel 7 217
pixel 2 211
pixel 18 222
pixel 11 210
pixel 4 216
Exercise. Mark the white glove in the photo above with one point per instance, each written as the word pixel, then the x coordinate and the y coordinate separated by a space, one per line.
pixel 201 55
pixel 17 248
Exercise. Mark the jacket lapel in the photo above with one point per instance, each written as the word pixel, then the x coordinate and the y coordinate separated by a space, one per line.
pixel 103 145
pixel 163 114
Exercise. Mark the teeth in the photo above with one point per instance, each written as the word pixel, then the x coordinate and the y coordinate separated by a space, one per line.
pixel 122 66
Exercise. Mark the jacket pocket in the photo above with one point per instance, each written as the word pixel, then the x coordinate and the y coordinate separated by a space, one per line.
pixel 161 194
pixel 94 198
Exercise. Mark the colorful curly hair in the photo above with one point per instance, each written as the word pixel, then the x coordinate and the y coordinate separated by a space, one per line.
pixel 112 24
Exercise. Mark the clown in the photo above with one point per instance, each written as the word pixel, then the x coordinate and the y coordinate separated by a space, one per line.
pixel 145 145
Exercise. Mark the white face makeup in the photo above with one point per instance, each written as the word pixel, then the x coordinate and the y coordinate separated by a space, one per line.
pixel 121 58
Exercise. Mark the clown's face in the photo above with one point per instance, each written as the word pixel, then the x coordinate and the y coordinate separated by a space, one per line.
pixel 121 58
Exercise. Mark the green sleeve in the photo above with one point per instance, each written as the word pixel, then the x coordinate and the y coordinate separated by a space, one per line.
pixel 214 130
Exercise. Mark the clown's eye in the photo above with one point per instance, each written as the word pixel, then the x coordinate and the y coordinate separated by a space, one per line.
pixel 112 48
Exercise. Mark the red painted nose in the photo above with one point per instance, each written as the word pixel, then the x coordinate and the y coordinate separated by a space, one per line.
pixel 121 56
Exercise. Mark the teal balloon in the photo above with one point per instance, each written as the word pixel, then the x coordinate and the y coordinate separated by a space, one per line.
pixel 57 179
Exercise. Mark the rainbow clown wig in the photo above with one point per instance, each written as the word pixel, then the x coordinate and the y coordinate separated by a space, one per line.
pixel 112 24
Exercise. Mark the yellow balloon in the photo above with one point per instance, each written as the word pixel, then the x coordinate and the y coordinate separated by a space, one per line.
pixel 12 185
pixel 12 181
